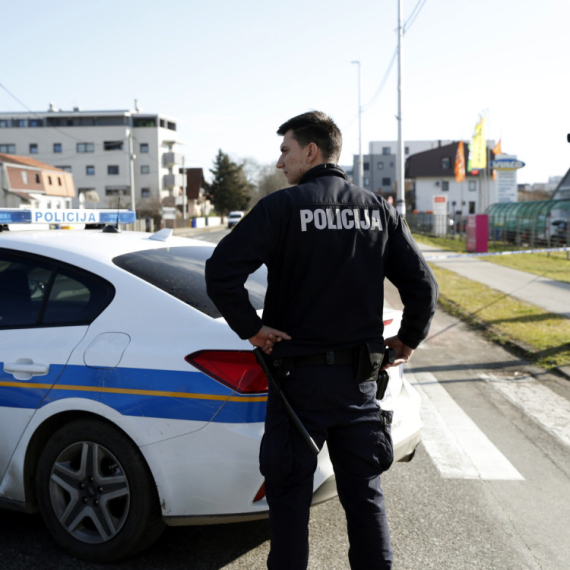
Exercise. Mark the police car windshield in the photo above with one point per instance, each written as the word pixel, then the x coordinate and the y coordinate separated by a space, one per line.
pixel 179 271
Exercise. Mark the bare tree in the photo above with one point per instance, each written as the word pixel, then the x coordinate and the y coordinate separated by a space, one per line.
pixel 269 180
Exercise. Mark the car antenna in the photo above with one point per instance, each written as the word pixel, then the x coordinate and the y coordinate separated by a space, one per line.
pixel 114 229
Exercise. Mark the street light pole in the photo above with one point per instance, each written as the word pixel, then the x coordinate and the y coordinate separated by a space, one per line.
pixel 184 197
pixel 400 176
pixel 360 162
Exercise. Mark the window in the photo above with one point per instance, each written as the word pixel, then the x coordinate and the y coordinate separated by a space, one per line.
pixel 145 169
pixel 171 126
pixel 85 147
pixel 35 123
pixel 66 168
pixel 380 166
pixel 116 190
pixel 112 169
pixel 144 147
pixel 144 122
pixel 445 185
pixel 49 180
pixel 5 123
pixel 162 123
pixel 33 148
pixel 32 286
pixel 179 271
pixel 366 181
pixel 59 181
pixel 471 207
pixel 24 176
pixel 57 147
pixel 386 182
pixel 386 150
pixel 366 166
pixel 407 150
pixel 145 192
pixel 472 185
pixel 37 178
pixel 90 170
pixel 8 148
pixel 113 145
pixel 445 163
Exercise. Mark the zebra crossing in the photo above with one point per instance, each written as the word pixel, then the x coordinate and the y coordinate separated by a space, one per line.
pixel 459 448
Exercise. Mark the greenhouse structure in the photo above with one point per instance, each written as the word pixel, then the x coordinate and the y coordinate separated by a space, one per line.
pixel 534 223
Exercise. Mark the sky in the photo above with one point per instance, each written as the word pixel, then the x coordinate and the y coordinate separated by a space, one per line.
pixel 230 73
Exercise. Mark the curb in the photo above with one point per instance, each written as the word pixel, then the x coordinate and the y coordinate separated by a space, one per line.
pixel 489 332
pixel 187 232
pixel 564 371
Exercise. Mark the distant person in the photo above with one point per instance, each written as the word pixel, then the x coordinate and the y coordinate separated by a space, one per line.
pixel 328 245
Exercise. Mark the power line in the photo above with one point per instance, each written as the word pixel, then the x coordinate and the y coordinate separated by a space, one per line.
pixel 407 25
pixel 39 116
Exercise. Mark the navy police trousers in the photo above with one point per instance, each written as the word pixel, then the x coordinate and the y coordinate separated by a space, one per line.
pixel 334 408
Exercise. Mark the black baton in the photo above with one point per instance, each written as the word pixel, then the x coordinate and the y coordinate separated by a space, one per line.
pixel 290 412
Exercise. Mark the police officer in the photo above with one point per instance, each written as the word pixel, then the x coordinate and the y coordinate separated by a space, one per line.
pixel 328 245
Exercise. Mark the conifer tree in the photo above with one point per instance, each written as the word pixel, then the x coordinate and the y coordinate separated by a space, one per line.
pixel 229 189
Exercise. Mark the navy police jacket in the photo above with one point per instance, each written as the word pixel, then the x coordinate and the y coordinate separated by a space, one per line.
pixel 328 246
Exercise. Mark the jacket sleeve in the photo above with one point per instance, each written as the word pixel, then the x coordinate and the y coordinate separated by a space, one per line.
pixel 406 268
pixel 239 254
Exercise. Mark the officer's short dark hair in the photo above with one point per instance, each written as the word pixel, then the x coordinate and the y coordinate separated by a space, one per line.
pixel 315 127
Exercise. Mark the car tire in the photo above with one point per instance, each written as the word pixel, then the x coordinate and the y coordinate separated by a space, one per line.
pixel 96 493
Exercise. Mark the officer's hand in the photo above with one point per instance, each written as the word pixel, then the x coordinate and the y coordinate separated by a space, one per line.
pixel 267 337
pixel 403 352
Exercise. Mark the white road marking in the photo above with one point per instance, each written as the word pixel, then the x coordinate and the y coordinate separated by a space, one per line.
pixel 537 401
pixel 458 448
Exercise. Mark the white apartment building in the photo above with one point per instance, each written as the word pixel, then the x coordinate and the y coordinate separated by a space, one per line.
pixel 379 165
pixel 112 154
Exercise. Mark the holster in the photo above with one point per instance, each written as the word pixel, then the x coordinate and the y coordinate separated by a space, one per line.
pixel 368 361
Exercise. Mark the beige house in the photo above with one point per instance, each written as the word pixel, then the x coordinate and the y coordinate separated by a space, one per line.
pixel 30 183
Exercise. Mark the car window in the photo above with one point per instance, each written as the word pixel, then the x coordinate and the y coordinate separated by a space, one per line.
pixel 179 271
pixel 37 291
pixel 76 298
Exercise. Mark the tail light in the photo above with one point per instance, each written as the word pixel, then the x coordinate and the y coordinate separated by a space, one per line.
pixel 260 494
pixel 388 322
pixel 236 369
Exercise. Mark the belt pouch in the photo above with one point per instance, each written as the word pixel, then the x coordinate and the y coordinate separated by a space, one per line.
pixel 366 363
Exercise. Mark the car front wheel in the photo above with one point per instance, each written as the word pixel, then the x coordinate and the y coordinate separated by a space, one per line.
pixel 96 493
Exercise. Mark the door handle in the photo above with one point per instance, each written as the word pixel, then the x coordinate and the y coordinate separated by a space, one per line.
pixel 25 368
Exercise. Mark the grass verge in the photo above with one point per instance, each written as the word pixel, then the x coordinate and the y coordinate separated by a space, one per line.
pixel 555 265
pixel 537 335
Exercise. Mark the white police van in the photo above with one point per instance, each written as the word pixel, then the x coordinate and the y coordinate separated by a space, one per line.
pixel 126 402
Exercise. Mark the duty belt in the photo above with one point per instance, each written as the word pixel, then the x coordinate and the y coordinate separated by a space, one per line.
pixel 331 357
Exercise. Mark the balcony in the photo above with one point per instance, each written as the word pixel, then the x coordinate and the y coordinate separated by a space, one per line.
pixel 171 158
pixel 172 180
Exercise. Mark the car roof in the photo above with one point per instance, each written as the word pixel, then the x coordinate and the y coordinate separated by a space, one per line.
pixel 78 246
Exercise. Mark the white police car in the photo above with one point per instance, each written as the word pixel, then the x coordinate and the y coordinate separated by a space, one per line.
pixel 126 402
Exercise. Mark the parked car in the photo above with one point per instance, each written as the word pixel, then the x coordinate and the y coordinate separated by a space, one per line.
pixel 234 218
pixel 126 402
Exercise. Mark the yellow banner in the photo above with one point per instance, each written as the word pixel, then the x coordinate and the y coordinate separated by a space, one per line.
pixel 478 154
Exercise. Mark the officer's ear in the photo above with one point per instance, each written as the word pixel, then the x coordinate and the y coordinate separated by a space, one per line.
pixel 313 152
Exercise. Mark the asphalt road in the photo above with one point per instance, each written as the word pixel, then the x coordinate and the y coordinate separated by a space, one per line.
pixel 488 489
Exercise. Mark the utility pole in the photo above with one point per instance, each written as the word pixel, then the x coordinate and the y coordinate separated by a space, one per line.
pixel 132 168
pixel 401 159
pixel 360 162
pixel 184 212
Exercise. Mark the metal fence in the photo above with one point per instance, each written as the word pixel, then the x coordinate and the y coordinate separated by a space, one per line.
pixel 544 223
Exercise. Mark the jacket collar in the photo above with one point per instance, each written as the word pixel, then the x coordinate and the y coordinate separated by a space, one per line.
pixel 327 169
